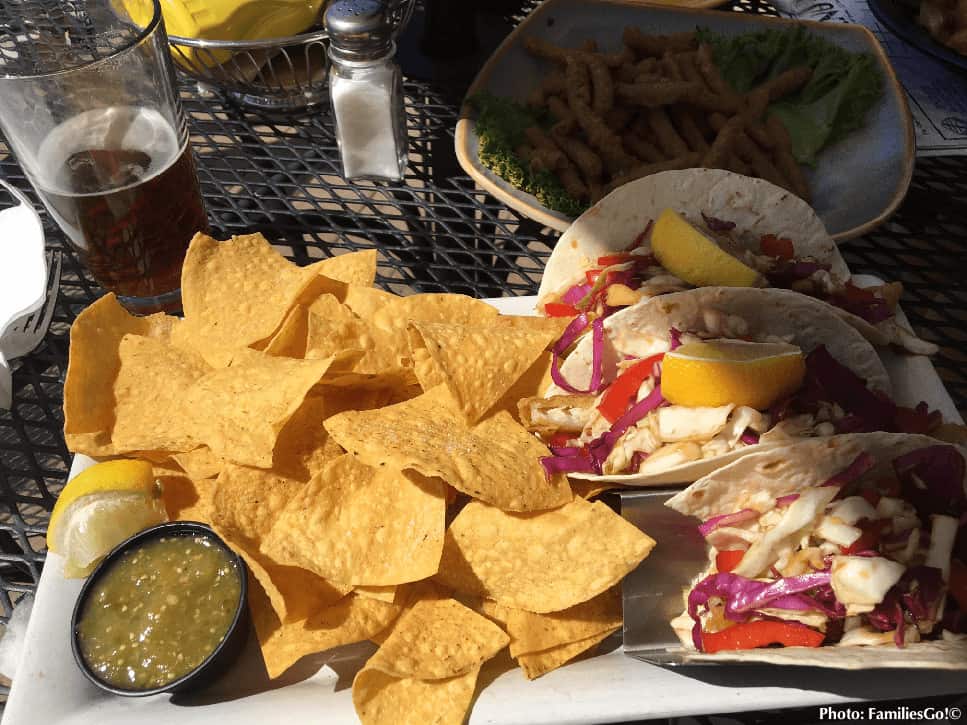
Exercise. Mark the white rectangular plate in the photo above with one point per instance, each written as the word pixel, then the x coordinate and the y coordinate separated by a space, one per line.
pixel 608 688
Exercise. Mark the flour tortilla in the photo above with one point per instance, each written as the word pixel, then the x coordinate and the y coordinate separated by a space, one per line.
pixel 638 329
pixel 766 475
pixel 789 469
pixel 757 208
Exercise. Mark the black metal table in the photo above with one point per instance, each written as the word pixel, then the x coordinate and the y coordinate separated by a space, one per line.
pixel 434 232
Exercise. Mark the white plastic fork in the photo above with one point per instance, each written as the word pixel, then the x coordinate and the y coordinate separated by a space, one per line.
pixel 23 271
pixel 25 333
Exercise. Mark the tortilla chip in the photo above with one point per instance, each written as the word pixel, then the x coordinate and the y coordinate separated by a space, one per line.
pixel 254 398
pixel 335 327
pixel 293 593
pixel 541 562
pixel 290 339
pixel 553 326
pixel 454 309
pixel 382 699
pixel 358 268
pixel 360 525
pixel 236 294
pixel 495 460
pixel 367 301
pixel 533 383
pixel 186 499
pixel 530 632
pixel 150 391
pixel 351 619
pixel 589 489
pixel 200 463
pixel 303 447
pixel 248 501
pixel 93 366
pixel 478 364
pixel 383 594
pixel 437 639
pixel 540 663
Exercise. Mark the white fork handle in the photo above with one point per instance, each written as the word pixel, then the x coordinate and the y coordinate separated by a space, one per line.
pixel 6 384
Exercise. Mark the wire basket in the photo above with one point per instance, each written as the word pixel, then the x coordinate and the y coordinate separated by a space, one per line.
pixel 276 73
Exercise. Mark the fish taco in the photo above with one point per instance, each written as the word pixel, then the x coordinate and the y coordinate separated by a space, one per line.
pixel 704 227
pixel 849 551
pixel 675 386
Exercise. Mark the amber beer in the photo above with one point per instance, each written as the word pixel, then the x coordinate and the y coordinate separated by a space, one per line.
pixel 124 190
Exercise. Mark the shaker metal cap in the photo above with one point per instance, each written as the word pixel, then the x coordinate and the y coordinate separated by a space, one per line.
pixel 359 29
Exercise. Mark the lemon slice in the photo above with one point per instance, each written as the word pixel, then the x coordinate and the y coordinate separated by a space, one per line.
pixel 720 372
pixel 689 255
pixel 100 508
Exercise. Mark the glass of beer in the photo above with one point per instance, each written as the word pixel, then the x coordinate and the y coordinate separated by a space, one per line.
pixel 89 106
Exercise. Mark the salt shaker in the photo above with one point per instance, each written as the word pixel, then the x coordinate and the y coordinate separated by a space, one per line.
pixel 366 89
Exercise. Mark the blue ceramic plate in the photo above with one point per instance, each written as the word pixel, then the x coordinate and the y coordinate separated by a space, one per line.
pixel 902 22
pixel 856 184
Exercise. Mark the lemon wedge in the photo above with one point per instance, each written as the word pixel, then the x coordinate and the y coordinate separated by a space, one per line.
pixel 720 372
pixel 100 508
pixel 689 255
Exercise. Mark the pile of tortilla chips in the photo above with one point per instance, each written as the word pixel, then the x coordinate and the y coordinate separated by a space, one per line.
pixel 329 432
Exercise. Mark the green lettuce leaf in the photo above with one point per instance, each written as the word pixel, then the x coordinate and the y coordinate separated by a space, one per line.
pixel 836 100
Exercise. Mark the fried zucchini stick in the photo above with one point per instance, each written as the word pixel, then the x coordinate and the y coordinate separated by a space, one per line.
pixel 686 161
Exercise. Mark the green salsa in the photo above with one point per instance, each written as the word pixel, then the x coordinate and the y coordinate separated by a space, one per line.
pixel 159 611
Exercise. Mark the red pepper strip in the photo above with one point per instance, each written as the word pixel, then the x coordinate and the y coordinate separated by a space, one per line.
pixel 957 584
pixel 728 559
pixel 591 275
pixel 612 259
pixel 868 539
pixel 559 440
pixel 641 238
pixel 623 389
pixel 560 309
pixel 776 246
pixel 749 635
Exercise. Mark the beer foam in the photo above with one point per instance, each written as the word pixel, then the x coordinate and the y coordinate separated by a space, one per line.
pixel 126 128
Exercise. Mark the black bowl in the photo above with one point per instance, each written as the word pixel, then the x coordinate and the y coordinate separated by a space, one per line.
pixel 218 660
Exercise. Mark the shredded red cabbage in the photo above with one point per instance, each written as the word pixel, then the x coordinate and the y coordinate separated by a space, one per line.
pixel 717 225
pixel 566 464
pixel 860 465
pixel 915 596
pixel 749 437
pixel 786 500
pixel 873 309
pixel 932 479
pixel 742 596
pixel 600 448
pixel 571 333
pixel 837 383
pixel 737 517
pixel 566 451
pixel 863 302
pixel 575 294
pixel 675 338
pixel 785 272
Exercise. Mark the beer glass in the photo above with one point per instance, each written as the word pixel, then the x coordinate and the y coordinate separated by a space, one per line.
pixel 89 107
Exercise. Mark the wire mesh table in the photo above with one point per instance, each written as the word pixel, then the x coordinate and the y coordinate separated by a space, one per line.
pixel 433 232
